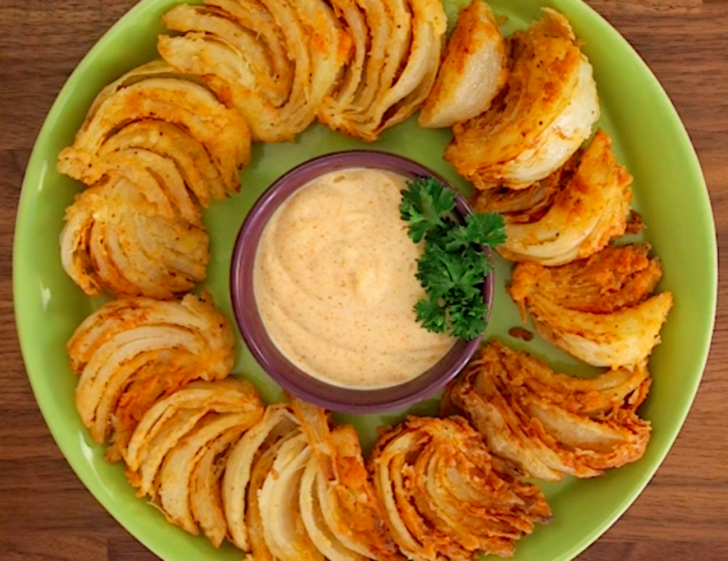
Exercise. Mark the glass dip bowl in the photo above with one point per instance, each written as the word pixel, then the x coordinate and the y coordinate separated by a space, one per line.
pixel 253 330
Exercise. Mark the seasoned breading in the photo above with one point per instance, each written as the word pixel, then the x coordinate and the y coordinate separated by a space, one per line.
pixel 473 71
pixel 546 111
pixel 156 91
pixel 225 49
pixel 552 424
pixel 351 510
pixel 149 348
pixel 445 497
pixel 598 309
pixel 570 215
pixel 117 239
pixel 398 69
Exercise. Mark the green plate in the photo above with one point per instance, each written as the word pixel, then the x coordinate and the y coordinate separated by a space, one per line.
pixel 648 138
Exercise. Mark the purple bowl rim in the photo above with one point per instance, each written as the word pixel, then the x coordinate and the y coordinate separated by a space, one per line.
pixel 249 322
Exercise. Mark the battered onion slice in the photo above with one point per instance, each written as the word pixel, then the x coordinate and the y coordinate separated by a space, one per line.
pixel 588 206
pixel 144 348
pixel 351 511
pixel 527 134
pixel 178 493
pixel 247 467
pixel 600 309
pixel 227 55
pixel 393 71
pixel 473 71
pixel 445 497
pixel 171 419
pixel 116 238
pixel 551 424
pixel 280 513
pixel 200 175
pixel 156 91
pixel 159 180
pixel 252 15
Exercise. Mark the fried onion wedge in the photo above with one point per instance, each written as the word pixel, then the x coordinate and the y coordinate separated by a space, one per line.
pixel 312 515
pixel 200 175
pixel 172 418
pixel 246 470
pixel 348 503
pixel 156 91
pixel 526 135
pixel 552 424
pixel 588 207
pixel 599 309
pixel 253 16
pixel 399 68
pixel 279 505
pixel 130 341
pixel 445 497
pixel 116 239
pixel 159 180
pixel 177 474
pixel 205 493
pixel 474 70
pixel 225 55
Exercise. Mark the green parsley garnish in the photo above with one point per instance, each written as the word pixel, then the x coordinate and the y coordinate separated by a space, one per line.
pixel 453 267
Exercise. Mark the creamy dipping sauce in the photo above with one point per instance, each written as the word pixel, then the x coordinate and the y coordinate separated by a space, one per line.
pixel 334 281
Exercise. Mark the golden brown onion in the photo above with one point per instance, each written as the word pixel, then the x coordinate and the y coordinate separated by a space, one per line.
pixel 546 111
pixel 402 58
pixel 176 476
pixel 445 497
pixel 254 16
pixel 588 208
pixel 550 424
pixel 156 91
pixel 473 71
pixel 218 47
pixel 159 180
pixel 283 527
pixel 170 420
pixel 247 468
pixel 600 309
pixel 347 500
pixel 138 338
pixel 205 493
pixel 115 238
pixel 189 155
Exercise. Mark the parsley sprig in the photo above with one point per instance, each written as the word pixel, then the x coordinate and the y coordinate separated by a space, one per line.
pixel 453 267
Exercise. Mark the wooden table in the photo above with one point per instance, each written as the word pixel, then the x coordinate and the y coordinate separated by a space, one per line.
pixel 47 514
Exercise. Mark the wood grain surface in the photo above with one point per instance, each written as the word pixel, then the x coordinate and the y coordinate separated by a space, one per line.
pixel 47 514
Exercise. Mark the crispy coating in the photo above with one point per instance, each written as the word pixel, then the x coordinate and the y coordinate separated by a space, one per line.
pixel 159 180
pixel 296 489
pixel 174 417
pixel 280 510
pixel 445 497
pixel 225 50
pixel 156 91
pixel 599 309
pixel 393 70
pixel 552 424
pixel 247 468
pixel 546 111
pixel 134 350
pixel 350 507
pixel 200 175
pixel 120 237
pixel 473 71
pixel 177 452
pixel 571 215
